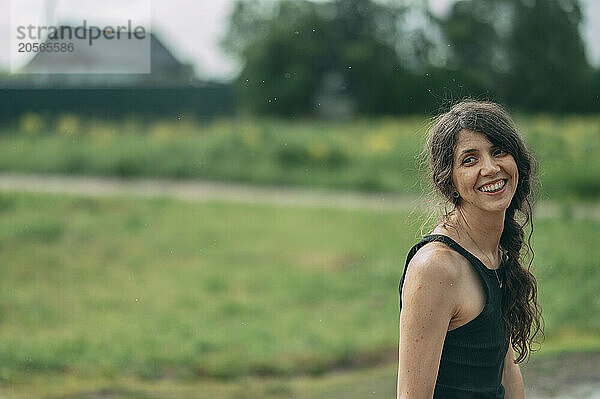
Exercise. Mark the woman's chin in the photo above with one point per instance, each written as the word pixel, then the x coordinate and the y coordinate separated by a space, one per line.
pixel 492 207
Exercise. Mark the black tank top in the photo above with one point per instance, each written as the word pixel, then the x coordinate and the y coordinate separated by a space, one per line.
pixel 472 359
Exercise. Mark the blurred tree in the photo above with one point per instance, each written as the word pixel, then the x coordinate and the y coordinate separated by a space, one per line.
pixel 528 53
pixel 374 56
pixel 548 66
pixel 301 56
pixel 280 56
pixel 477 51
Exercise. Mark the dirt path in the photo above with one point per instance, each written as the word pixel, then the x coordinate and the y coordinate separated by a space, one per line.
pixel 201 191
pixel 570 375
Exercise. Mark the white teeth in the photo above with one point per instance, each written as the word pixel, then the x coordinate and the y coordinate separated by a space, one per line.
pixel 493 187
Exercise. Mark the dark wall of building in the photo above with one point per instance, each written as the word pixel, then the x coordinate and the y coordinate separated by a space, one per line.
pixel 202 102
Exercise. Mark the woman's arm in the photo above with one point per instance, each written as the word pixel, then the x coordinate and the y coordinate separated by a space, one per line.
pixel 511 377
pixel 428 304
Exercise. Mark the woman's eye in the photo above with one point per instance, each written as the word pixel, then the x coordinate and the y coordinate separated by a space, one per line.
pixel 468 160
pixel 499 151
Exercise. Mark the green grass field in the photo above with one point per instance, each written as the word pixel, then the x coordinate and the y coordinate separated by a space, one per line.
pixel 364 154
pixel 103 289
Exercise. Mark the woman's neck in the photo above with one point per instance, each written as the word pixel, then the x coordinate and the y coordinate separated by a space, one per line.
pixel 483 227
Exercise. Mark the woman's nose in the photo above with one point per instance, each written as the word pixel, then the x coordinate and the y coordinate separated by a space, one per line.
pixel 489 167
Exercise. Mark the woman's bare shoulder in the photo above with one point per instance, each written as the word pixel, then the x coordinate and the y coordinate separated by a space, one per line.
pixel 432 283
pixel 436 259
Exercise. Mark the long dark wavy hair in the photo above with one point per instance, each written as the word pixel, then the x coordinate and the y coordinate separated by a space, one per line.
pixel 520 309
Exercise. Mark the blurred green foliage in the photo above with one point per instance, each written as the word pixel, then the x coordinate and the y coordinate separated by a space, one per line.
pixel 364 154
pixel 302 57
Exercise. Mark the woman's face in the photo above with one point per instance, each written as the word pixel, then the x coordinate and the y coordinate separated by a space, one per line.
pixel 484 175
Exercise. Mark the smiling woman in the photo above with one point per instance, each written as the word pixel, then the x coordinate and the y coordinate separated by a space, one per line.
pixel 485 167
pixel 468 300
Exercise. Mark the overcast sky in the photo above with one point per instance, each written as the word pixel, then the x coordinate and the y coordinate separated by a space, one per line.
pixel 191 29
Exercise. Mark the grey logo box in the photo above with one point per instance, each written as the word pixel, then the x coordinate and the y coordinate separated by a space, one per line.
pixel 116 42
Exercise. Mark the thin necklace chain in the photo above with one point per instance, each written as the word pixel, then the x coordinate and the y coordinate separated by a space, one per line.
pixel 480 250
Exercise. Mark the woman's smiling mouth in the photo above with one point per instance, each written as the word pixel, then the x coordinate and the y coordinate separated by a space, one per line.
pixel 493 187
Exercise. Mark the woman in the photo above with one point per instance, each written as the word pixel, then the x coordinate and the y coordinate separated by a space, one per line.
pixel 466 298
